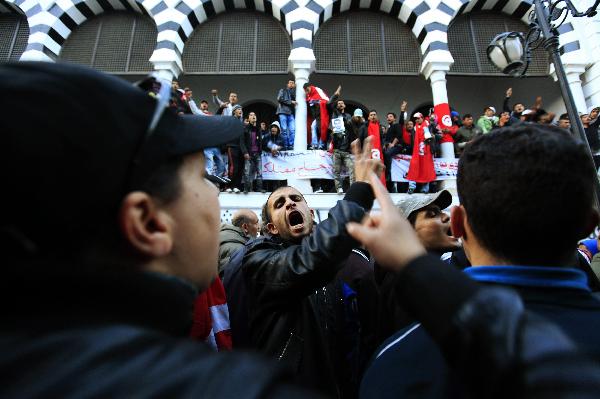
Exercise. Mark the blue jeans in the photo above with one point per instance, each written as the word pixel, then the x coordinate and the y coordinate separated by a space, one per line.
pixel 288 129
pixel 214 162
pixel 413 185
pixel 315 141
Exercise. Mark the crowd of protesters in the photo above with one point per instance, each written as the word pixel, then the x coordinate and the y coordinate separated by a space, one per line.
pixel 114 255
pixel 332 128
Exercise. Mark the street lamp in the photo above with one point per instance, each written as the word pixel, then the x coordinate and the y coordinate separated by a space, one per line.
pixel 511 51
pixel 505 52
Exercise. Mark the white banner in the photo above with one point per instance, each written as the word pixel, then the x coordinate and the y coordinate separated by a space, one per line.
pixel 318 164
pixel 445 169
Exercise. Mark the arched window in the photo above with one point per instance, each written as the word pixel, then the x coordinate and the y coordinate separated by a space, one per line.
pixel 237 42
pixel 119 42
pixel 14 33
pixel 364 42
pixel 469 36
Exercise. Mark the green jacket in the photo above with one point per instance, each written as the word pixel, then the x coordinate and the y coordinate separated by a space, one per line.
pixel 486 124
pixel 231 239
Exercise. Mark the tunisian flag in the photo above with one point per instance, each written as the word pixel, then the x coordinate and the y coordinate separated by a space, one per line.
pixel 211 318
pixel 373 131
pixel 316 94
pixel 421 169
pixel 442 113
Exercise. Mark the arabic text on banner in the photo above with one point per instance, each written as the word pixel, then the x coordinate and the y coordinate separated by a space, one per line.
pixel 318 164
pixel 445 169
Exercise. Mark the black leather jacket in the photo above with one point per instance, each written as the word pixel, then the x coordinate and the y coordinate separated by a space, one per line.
pixel 114 335
pixel 282 279
pixel 498 349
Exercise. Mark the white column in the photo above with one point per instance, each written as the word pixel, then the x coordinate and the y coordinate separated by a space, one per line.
pixel 436 73
pixel 440 96
pixel 167 63
pixel 300 138
pixel 574 78
pixel 302 63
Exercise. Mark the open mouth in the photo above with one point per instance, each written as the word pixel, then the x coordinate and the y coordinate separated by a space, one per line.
pixel 295 219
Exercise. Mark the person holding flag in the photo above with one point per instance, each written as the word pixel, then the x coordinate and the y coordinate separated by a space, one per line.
pixel 372 128
pixel 421 169
pixel 317 102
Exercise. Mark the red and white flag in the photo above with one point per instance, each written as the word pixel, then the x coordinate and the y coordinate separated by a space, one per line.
pixel 211 317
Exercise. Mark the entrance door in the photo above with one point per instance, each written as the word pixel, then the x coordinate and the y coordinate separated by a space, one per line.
pixel 264 110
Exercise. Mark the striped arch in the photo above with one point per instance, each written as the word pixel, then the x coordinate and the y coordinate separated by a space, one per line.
pixel 519 9
pixel 176 23
pixel 51 25
pixel 515 8
pixel 320 11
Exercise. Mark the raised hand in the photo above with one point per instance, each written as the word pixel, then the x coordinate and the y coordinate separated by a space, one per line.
pixel 388 236
pixel 364 164
pixel 509 92
pixel 403 105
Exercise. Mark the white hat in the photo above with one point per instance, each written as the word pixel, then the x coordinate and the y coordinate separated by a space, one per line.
pixel 418 115
pixel 358 112
pixel 527 112
pixel 492 108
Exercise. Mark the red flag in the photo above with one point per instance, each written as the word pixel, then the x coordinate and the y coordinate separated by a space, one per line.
pixel 377 151
pixel 444 121
pixel 421 169
pixel 316 94
pixel 211 317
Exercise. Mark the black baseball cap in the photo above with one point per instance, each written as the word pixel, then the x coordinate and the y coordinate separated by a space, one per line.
pixel 75 141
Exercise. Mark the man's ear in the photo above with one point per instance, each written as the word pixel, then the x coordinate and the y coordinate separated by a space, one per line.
pixel 457 222
pixel 272 229
pixel 145 226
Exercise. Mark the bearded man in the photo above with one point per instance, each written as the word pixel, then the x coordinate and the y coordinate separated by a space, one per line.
pixel 297 258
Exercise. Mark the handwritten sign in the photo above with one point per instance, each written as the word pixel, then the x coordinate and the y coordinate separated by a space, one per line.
pixel 318 164
pixel 445 169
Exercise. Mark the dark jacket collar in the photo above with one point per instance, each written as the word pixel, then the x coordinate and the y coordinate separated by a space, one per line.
pixel 531 276
pixel 51 299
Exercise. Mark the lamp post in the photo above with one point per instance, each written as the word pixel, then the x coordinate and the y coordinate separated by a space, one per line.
pixel 511 51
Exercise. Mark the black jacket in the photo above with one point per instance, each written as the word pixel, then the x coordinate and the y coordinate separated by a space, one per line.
pixel 246 140
pixel 492 345
pixel 282 277
pixel 363 133
pixel 285 97
pixel 560 295
pixel 76 334
pixel 342 141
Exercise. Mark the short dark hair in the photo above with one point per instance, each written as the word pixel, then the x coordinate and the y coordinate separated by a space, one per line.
pixel 240 219
pixel 203 101
pixel 373 110
pixel 391 113
pixel 564 116
pixel 106 248
pixel 465 116
pixel 528 193
pixel 305 85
